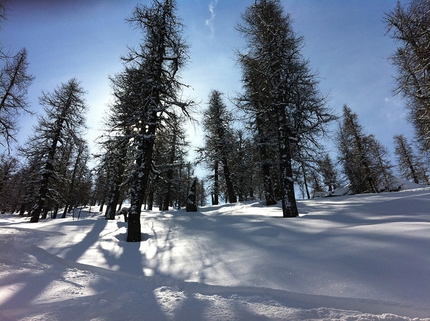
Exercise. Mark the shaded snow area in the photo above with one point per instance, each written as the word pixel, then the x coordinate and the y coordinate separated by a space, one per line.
pixel 362 257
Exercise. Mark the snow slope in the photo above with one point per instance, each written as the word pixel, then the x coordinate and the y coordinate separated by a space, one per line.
pixel 362 257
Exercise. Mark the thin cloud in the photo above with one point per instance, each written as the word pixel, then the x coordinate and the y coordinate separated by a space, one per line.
pixel 210 22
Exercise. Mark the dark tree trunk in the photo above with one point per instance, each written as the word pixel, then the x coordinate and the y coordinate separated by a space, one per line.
pixel 150 203
pixel 115 186
pixel 215 194
pixel 305 181
pixel 269 194
pixel 142 171
pixel 66 210
pixel 54 215
pixel 191 200
pixel 289 206
pixel 22 210
pixel 230 187
pixel 102 204
pixel 113 203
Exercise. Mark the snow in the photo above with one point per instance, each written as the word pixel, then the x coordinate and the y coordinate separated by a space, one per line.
pixel 356 257
pixel 395 184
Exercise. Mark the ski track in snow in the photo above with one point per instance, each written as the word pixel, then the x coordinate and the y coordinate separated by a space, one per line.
pixel 201 266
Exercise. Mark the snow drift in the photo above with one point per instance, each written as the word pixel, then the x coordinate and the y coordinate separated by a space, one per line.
pixel 361 257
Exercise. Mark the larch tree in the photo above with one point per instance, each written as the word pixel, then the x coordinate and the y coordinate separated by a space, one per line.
pixel 329 173
pixel 156 89
pixel 60 127
pixel 244 166
pixel 352 153
pixel 170 160
pixel 115 161
pixel 363 158
pixel 218 149
pixel 78 182
pixel 408 163
pixel 281 94
pixel 409 26
pixel 29 176
pixel 380 164
pixel 14 82
pixel 9 167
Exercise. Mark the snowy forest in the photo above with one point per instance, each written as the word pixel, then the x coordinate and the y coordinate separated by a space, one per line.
pixel 268 143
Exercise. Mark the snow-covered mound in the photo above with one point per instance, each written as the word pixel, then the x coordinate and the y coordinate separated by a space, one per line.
pixel 404 184
pixel 396 184
pixel 361 257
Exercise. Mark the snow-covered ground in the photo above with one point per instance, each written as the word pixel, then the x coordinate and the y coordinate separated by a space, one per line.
pixel 362 257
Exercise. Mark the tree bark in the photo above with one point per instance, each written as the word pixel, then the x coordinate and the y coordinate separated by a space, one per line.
pixel 215 194
pixel 289 206
pixel 230 187
pixel 143 166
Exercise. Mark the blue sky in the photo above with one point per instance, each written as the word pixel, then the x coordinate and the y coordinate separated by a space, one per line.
pixel 345 42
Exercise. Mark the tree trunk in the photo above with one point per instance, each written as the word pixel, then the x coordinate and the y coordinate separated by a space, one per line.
pixel 191 200
pixel 289 206
pixel 54 215
pixel 115 186
pixel 269 194
pixel 142 171
pixel 305 181
pixel 230 188
pixel 150 200
pixel 113 202
pixel 102 204
pixel 215 194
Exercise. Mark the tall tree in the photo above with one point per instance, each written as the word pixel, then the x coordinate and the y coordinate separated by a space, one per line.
pixel 116 160
pixel 170 153
pixel 245 167
pixel 280 93
pixel 352 154
pixel 155 90
pixel 78 185
pixel 380 164
pixel 363 158
pixel 409 165
pixel 60 126
pixel 410 28
pixel 218 147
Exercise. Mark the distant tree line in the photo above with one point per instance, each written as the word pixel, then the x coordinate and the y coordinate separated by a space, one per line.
pixel 267 143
